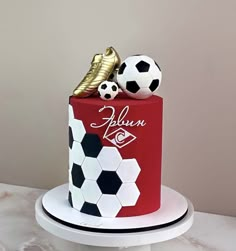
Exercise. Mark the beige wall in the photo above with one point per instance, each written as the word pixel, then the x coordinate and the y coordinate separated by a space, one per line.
pixel 45 48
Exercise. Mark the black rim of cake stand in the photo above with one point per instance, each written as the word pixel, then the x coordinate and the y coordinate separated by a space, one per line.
pixel 104 230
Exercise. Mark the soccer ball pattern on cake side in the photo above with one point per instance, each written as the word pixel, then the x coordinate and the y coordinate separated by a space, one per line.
pixel 100 181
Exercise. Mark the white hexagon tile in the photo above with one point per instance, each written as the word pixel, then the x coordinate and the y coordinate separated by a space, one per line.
pixel 91 191
pixel 128 194
pixel 78 130
pixel 76 153
pixel 70 178
pixel 128 170
pixel 109 158
pixel 108 205
pixel 77 198
pixel 91 168
pixel 77 127
pixel 71 113
pixel 70 159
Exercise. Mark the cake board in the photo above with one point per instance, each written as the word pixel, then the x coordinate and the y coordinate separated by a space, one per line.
pixel 54 214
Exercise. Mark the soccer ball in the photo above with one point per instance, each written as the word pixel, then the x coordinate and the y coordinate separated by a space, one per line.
pixel 139 76
pixel 108 90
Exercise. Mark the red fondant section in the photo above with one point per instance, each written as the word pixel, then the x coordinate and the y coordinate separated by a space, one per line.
pixel 146 148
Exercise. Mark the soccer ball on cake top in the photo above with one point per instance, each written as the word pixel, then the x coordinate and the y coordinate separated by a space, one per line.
pixel 139 76
pixel 108 90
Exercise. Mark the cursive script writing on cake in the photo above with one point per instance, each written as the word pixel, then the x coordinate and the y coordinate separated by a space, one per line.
pixel 116 119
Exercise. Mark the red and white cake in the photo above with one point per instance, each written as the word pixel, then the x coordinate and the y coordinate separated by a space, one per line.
pixel 115 155
pixel 115 151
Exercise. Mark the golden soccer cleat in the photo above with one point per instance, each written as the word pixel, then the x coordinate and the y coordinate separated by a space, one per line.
pixel 101 68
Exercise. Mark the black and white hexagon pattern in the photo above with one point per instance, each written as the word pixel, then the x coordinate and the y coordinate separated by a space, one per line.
pixel 139 76
pixel 100 181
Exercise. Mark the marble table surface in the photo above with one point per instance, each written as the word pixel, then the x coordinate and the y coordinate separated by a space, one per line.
pixel 19 230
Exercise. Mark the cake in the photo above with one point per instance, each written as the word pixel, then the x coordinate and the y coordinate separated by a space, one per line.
pixel 115 145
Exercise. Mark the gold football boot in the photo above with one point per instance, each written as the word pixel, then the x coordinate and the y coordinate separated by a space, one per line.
pixel 101 68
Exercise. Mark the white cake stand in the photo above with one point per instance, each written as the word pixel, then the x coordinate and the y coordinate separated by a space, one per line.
pixel 54 214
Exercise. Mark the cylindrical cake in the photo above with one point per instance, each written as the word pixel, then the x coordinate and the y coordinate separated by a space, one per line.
pixel 115 151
